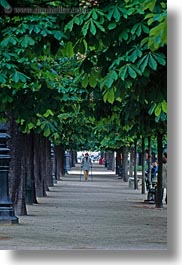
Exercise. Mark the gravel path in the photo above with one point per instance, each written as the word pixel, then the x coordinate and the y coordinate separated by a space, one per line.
pixel 103 214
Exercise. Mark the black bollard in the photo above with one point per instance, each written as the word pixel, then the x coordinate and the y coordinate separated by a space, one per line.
pixel 7 215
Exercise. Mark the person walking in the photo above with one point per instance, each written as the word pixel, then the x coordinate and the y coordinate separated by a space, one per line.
pixel 86 165
pixel 164 175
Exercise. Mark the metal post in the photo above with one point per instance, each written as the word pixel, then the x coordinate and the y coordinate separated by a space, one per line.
pixel 7 215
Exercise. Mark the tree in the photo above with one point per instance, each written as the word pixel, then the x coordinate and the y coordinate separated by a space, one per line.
pixel 128 61
pixel 63 66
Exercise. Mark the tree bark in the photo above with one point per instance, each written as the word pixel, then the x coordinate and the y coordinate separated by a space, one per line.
pixel 118 162
pixel 43 165
pixel 29 170
pixel 143 165
pixel 149 158
pixel 131 162
pixel 135 167
pixel 159 193
pixel 125 164
pixel 17 167
pixel 48 164
pixel 110 160
pixel 38 167
pixel 59 161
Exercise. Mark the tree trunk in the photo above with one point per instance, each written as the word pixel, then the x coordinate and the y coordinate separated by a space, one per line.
pixel 59 161
pixel 72 158
pixel 110 160
pixel 135 167
pixel 159 193
pixel 149 159
pixel 43 157
pixel 118 163
pixel 20 207
pixel 16 172
pixel 131 163
pixel 143 165
pixel 39 166
pixel 29 169
pixel 48 164
pixel 125 164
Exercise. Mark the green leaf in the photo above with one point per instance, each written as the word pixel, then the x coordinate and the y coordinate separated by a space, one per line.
pixel 158 110
pixel 123 72
pixel 139 30
pixel 145 29
pixel 159 58
pixel 18 76
pixel 123 35
pixel 58 35
pixel 136 52
pixel 69 26
pixel 163 116
pixel 10 39
pixel 131 72
pixel 116 14
pixel 36 29
pixel 93 29
pixel 152 108
pixel 143 62
pixel 136 28
pixel 99 26
pixel 30 125
pixel 149 4
pixel 4 4
pixel 112 25
pixel 92 81
pixel 47 132
pixel 110 78
pixel 158 36
pixel 2 78
pixel 85 28
pixel 109 96
pixel 78 21
pixel 26 41
pixel 48 113
pixel 68 50
pixel 94 15
pixel 152 62
pixel 85 81
pixel 136 69
pixel 164 106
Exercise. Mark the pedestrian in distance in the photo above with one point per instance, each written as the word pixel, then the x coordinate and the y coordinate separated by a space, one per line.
pixel 164 174
pixel 154 171
pixel 86 164
pixel 101 160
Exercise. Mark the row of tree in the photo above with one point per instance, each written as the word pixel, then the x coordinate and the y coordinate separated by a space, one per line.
pixel 95 79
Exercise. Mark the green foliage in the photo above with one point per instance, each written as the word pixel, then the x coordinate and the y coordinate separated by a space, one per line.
pixel 94 75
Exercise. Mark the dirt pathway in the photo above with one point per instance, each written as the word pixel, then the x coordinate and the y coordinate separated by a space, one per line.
pixel 103 214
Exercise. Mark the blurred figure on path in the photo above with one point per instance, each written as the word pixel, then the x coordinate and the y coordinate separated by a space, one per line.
pixel 101 160
pixel 164 174
pixel 86 165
